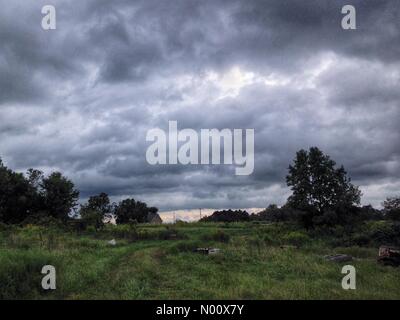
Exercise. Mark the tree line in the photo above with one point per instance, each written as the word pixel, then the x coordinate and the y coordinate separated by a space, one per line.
pixel 322 195
pixel 34 196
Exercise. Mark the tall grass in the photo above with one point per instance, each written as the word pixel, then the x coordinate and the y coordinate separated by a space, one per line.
pixel 256 261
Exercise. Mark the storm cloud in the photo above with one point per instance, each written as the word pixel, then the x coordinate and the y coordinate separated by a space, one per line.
pixel 81 98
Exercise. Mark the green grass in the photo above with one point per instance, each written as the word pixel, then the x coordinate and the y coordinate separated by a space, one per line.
pixel 158 262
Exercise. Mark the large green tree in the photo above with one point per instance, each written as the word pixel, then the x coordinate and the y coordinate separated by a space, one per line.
pixel 16 196
pixel 100 203
pixel 392 208
pixel 59 195
pixel 318 185
pixel 96 209
pixel 131 210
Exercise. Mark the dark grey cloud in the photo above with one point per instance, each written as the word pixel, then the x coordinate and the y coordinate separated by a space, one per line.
pixel 81 98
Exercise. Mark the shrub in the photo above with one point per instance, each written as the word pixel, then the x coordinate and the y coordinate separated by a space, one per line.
pixel 91 229
pixel 169 233
pixel 218 235
pixel 392 208
pixel 268 239
pixel 361 239
pixel 388 234
pixel 275 214
pixel 372 227
pixel 42 219
pixel 185 246
pixel 296 238
pixel 227 216
pixel 92 218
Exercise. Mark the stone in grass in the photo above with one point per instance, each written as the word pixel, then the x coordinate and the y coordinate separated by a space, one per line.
pixel 339 257
pixel 112 242
pixel 207 250
pixel 213 250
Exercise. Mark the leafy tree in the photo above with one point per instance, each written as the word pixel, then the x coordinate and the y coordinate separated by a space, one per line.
pixel 100 203
pixel 35 178
pixel 97 208
pixel 318 185
pixel 15 196
pixel 59 195
pixel 130 210
pixel 392 208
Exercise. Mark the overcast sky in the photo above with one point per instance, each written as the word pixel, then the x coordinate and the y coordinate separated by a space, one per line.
pixel 81 98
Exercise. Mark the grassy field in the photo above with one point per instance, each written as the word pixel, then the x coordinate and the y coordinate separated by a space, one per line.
pixel 158 262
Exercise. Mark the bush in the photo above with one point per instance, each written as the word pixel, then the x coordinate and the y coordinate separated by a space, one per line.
pixel 227 216
pixel 42 219
pixel 186 246
pixel 296 238
pixel 385 234
pixel 372 227
pixel 219 236
pixel 268 239
pixel 361 239
pixel 392 208
pixel 92 218
pixel 169 233
pixel 374 233
pixel 275 214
